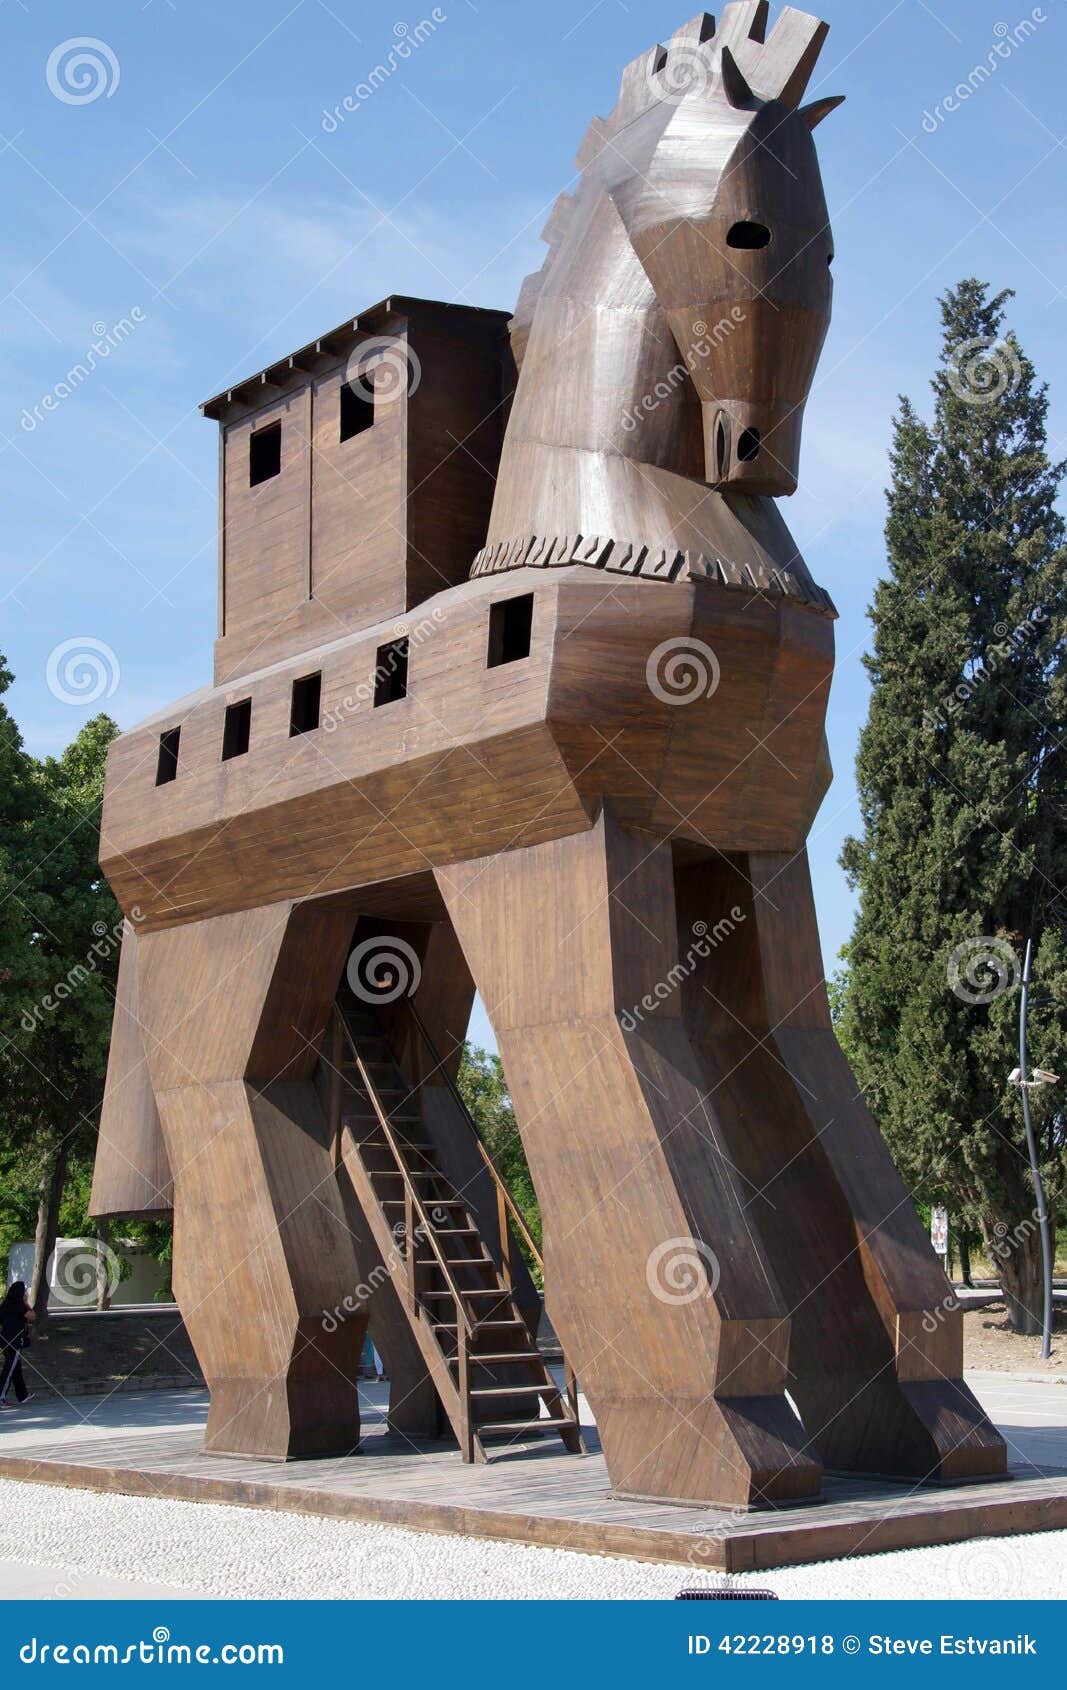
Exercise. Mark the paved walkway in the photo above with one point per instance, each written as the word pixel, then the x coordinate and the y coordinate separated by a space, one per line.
pixel 82 1545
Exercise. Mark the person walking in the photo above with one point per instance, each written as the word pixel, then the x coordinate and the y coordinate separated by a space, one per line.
pixel 15 1318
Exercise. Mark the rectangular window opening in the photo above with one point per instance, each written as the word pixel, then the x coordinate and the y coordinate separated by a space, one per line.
pixel 510 628
pixel 357 410
pixel 167 764
pixel 391 673
pixel 237 731
pixel 307 698
pixel 264 454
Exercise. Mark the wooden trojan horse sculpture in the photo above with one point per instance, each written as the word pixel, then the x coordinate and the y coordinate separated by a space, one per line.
pixel 580 774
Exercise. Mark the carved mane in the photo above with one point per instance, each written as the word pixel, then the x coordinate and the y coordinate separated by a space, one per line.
pixel 778 68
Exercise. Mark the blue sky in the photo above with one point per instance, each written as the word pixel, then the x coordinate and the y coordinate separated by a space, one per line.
pixel 202 198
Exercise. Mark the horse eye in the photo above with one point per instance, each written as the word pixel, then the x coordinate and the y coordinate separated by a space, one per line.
pixel 750 236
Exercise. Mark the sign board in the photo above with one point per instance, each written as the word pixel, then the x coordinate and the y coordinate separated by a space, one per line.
pixel 939 1229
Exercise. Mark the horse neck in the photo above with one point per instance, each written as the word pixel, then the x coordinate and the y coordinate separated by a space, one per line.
pixel 602 372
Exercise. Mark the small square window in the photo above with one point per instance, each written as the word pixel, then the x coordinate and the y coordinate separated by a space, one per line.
pixel 391 673
pixel 307 697
pixel 357 410
pixel 264 454
pixel 510 627
pixel 167 763
pixel 238 729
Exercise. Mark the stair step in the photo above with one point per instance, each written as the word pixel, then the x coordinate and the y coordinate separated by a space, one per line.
pixel 395 1173
pixel 438 1203
pixel 497 1294
pixel 494 1391
pixel 508 1428
pixel 479 1326
pixel 500 1358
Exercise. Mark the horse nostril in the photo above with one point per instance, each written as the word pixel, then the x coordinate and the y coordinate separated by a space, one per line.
pixel 722 449
pixel 748 445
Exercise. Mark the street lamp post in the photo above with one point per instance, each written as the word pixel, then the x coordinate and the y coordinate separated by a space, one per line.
pixel 1040 1078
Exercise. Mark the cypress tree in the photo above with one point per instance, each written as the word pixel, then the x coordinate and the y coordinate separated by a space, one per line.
pixel 963 797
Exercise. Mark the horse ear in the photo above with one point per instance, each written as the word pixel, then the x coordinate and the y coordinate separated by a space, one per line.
pixel 818 109
pixel 737 89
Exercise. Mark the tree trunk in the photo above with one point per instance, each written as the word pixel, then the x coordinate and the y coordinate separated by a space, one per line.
pixel 964 1241
pixel 103 1279
pixel 1015 1252
pixel 49 1198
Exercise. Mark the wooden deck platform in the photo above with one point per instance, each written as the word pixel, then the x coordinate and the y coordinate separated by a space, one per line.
pixel 534 1493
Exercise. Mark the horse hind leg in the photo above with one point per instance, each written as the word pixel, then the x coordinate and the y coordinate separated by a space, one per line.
pixel 230 1009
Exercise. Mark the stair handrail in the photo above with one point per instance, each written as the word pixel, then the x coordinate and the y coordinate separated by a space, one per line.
pixel 503 1189
pixel 409 1185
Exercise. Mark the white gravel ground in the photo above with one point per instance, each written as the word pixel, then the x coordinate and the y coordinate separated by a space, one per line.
pixel 87 1541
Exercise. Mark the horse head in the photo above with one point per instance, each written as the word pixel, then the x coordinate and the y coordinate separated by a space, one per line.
pixel 716 181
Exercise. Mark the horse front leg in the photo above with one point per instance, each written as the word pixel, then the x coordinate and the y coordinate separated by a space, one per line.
pixel 877 1352
pixel 656 1281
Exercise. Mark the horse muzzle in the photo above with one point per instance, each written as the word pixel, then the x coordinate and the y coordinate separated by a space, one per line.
pixel 752 448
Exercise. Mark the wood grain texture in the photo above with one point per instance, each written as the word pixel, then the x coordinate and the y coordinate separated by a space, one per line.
pixel 131 1173
pixel 262 1252
pixel 553 821
pixel 687 1385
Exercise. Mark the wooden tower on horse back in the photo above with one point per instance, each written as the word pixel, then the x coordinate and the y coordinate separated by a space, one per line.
pixel 538 708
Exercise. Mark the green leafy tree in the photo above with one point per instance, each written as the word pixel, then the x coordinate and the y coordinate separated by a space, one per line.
pixel 963 852
pixel 60 938
pixel 484 1090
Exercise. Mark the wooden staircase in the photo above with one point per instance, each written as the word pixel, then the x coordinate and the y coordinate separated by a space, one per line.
pixel 478 1348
